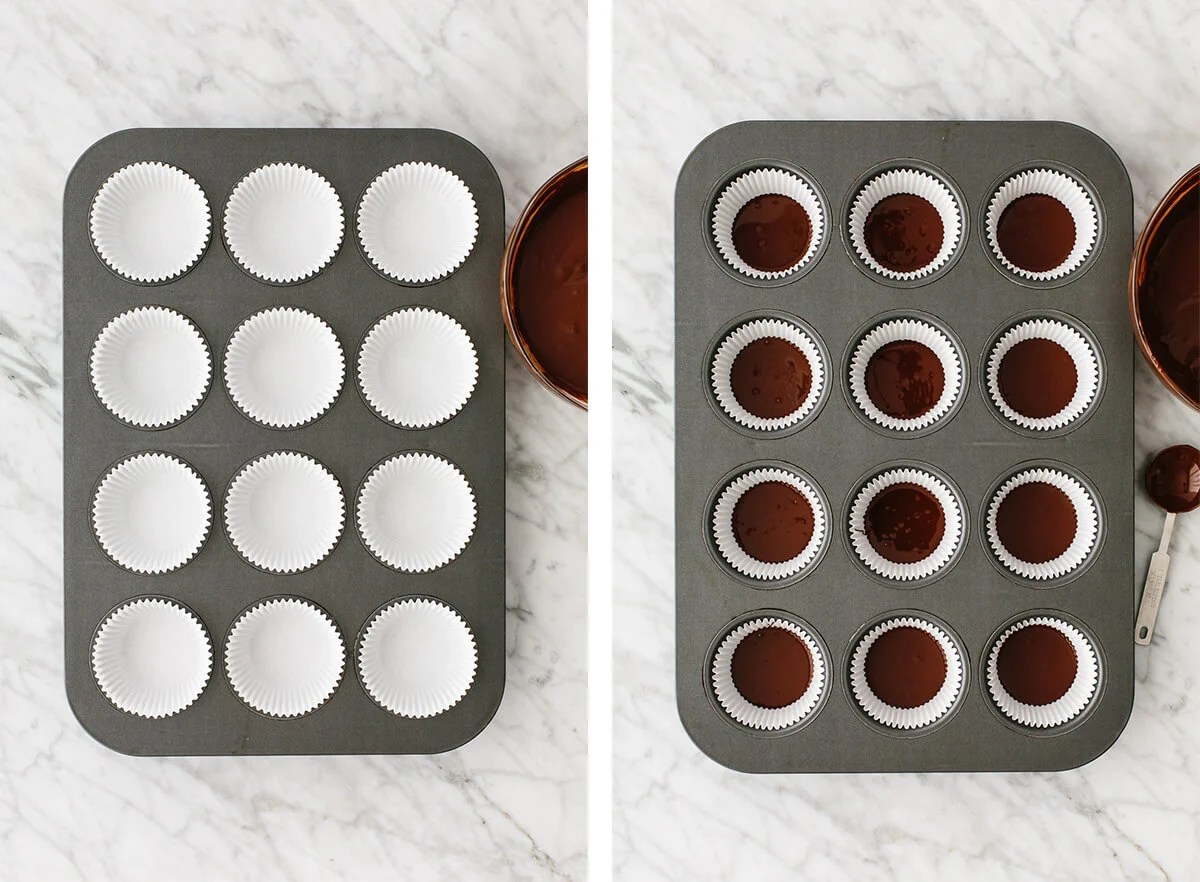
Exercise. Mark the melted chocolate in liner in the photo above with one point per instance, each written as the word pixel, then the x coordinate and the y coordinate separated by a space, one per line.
pixel 1036 232
pixel 1173 479
pixel 1036 522
pixel 1037 664
pixel 905 379
pixel 1169 295
pixel 905 667
pixel 773 522
pixel 772 232
pixel 903 232
pixel 771 667
pixel 905 523
pixel 770 378
pixel 1037 378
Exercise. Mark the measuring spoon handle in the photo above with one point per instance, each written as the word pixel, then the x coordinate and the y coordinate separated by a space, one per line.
pixel 1156 580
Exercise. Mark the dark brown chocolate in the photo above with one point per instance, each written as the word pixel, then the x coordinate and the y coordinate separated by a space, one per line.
pixel 1037 378
pixel 903 232
pixel 1037 664
pixel 773 522
pixel 905 523
pixel 772 233
pixel 1036 232
pixel 1036 522
pixel 905 667
pixel 1173 479
pixel 771 667
pixel 905 379
pixel 771 377
pixel 1169 295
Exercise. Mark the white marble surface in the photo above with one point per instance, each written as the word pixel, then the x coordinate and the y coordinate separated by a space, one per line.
pixel 1131 72
pixel 506 75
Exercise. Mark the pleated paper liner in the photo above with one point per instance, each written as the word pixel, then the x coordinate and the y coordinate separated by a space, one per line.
pixel 1066 190
pixel 1063 709
pixel 757 183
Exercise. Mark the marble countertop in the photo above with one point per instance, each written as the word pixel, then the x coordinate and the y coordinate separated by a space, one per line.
pixel 1135 812
pixel 511 803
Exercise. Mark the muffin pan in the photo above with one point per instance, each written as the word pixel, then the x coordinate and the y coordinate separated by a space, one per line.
pixel 256 323
pixel 852 294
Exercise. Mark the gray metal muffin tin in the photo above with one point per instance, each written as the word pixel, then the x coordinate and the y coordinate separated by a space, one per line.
pixel 350 584
pixel 974 298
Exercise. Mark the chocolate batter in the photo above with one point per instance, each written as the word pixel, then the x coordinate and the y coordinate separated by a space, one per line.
pixel 1036 522
pixel 771 378
pixel 905 379
pixel 1037 378
pixel 1037 664
pixel 771 667
pixel 905 523
pixel 772 233
pixel 1169 294
pixel 1173 479
pixel 773 522
pixel 904 232
pixel 905 667
pixel 1036 232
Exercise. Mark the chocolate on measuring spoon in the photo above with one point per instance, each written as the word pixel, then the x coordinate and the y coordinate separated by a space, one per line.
pixel 1173 482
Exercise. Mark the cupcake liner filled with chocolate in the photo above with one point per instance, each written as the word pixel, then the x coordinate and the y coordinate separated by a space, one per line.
pixel 1042 523
pixel 1041 224
pixel 768 223
pixel 906 524
pixel 769 524
pixel 769 673
pixel 906 673
pixel 905 375
pixel 1042 672
pixel 768 374
pixel 1042 375
pixel 905 224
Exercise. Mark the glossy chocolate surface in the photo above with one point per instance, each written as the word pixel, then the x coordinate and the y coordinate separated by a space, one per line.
pixel 771 377
pixel 1036 232
pixel 1037 664
pixel 1173 479
pixel 772 232
pixel 1036 522
pixel 903 232
pixel 771 667
pixel 905 523
pixel 773 522
pixel 905 379
pixel 1037 377
pixel 905 667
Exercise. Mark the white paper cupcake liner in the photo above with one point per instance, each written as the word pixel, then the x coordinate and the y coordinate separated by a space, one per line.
pixel 752 715
pixel 765 182
pixel 906 717
pixel 731 347
pixel 916 183
pixel 284 512
pixel 417 658
pixel 727 544
pixel 151 657
pixel 283 223
pixel 417 222
pixel 151 513
pixel 1064 709
pixel 417 367
pixel 150 367
pixel 1086 525
pixel 951 535
pixel 284 657
pixel 150 222
pixel 1087 372
pixel 1066 190
pixel 919 332
pixel 416 512
pixel 284 367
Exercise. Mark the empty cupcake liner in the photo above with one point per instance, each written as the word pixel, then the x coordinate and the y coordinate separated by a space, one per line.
pixel 752 715
pixel 151 513
pixel 284 512
pixel 1087 525
pixel 283 223
pixel 751 185
pixel 1066 190
pixel 727 544
pixel 1087 372
pixel 151 657
pixel 1064 709
pixel 916 183
pixel 906 717
pixel 731 347
pixel 416 512
pixel 417 367
pixel 951 536
pixel 417 222
pixel 284 657
pixel 417 658
pixel 284 367
pixel 150 367
pixel 150 222
pixel 919 332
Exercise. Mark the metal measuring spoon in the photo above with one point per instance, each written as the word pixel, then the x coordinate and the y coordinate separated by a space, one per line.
pixel 1173 482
